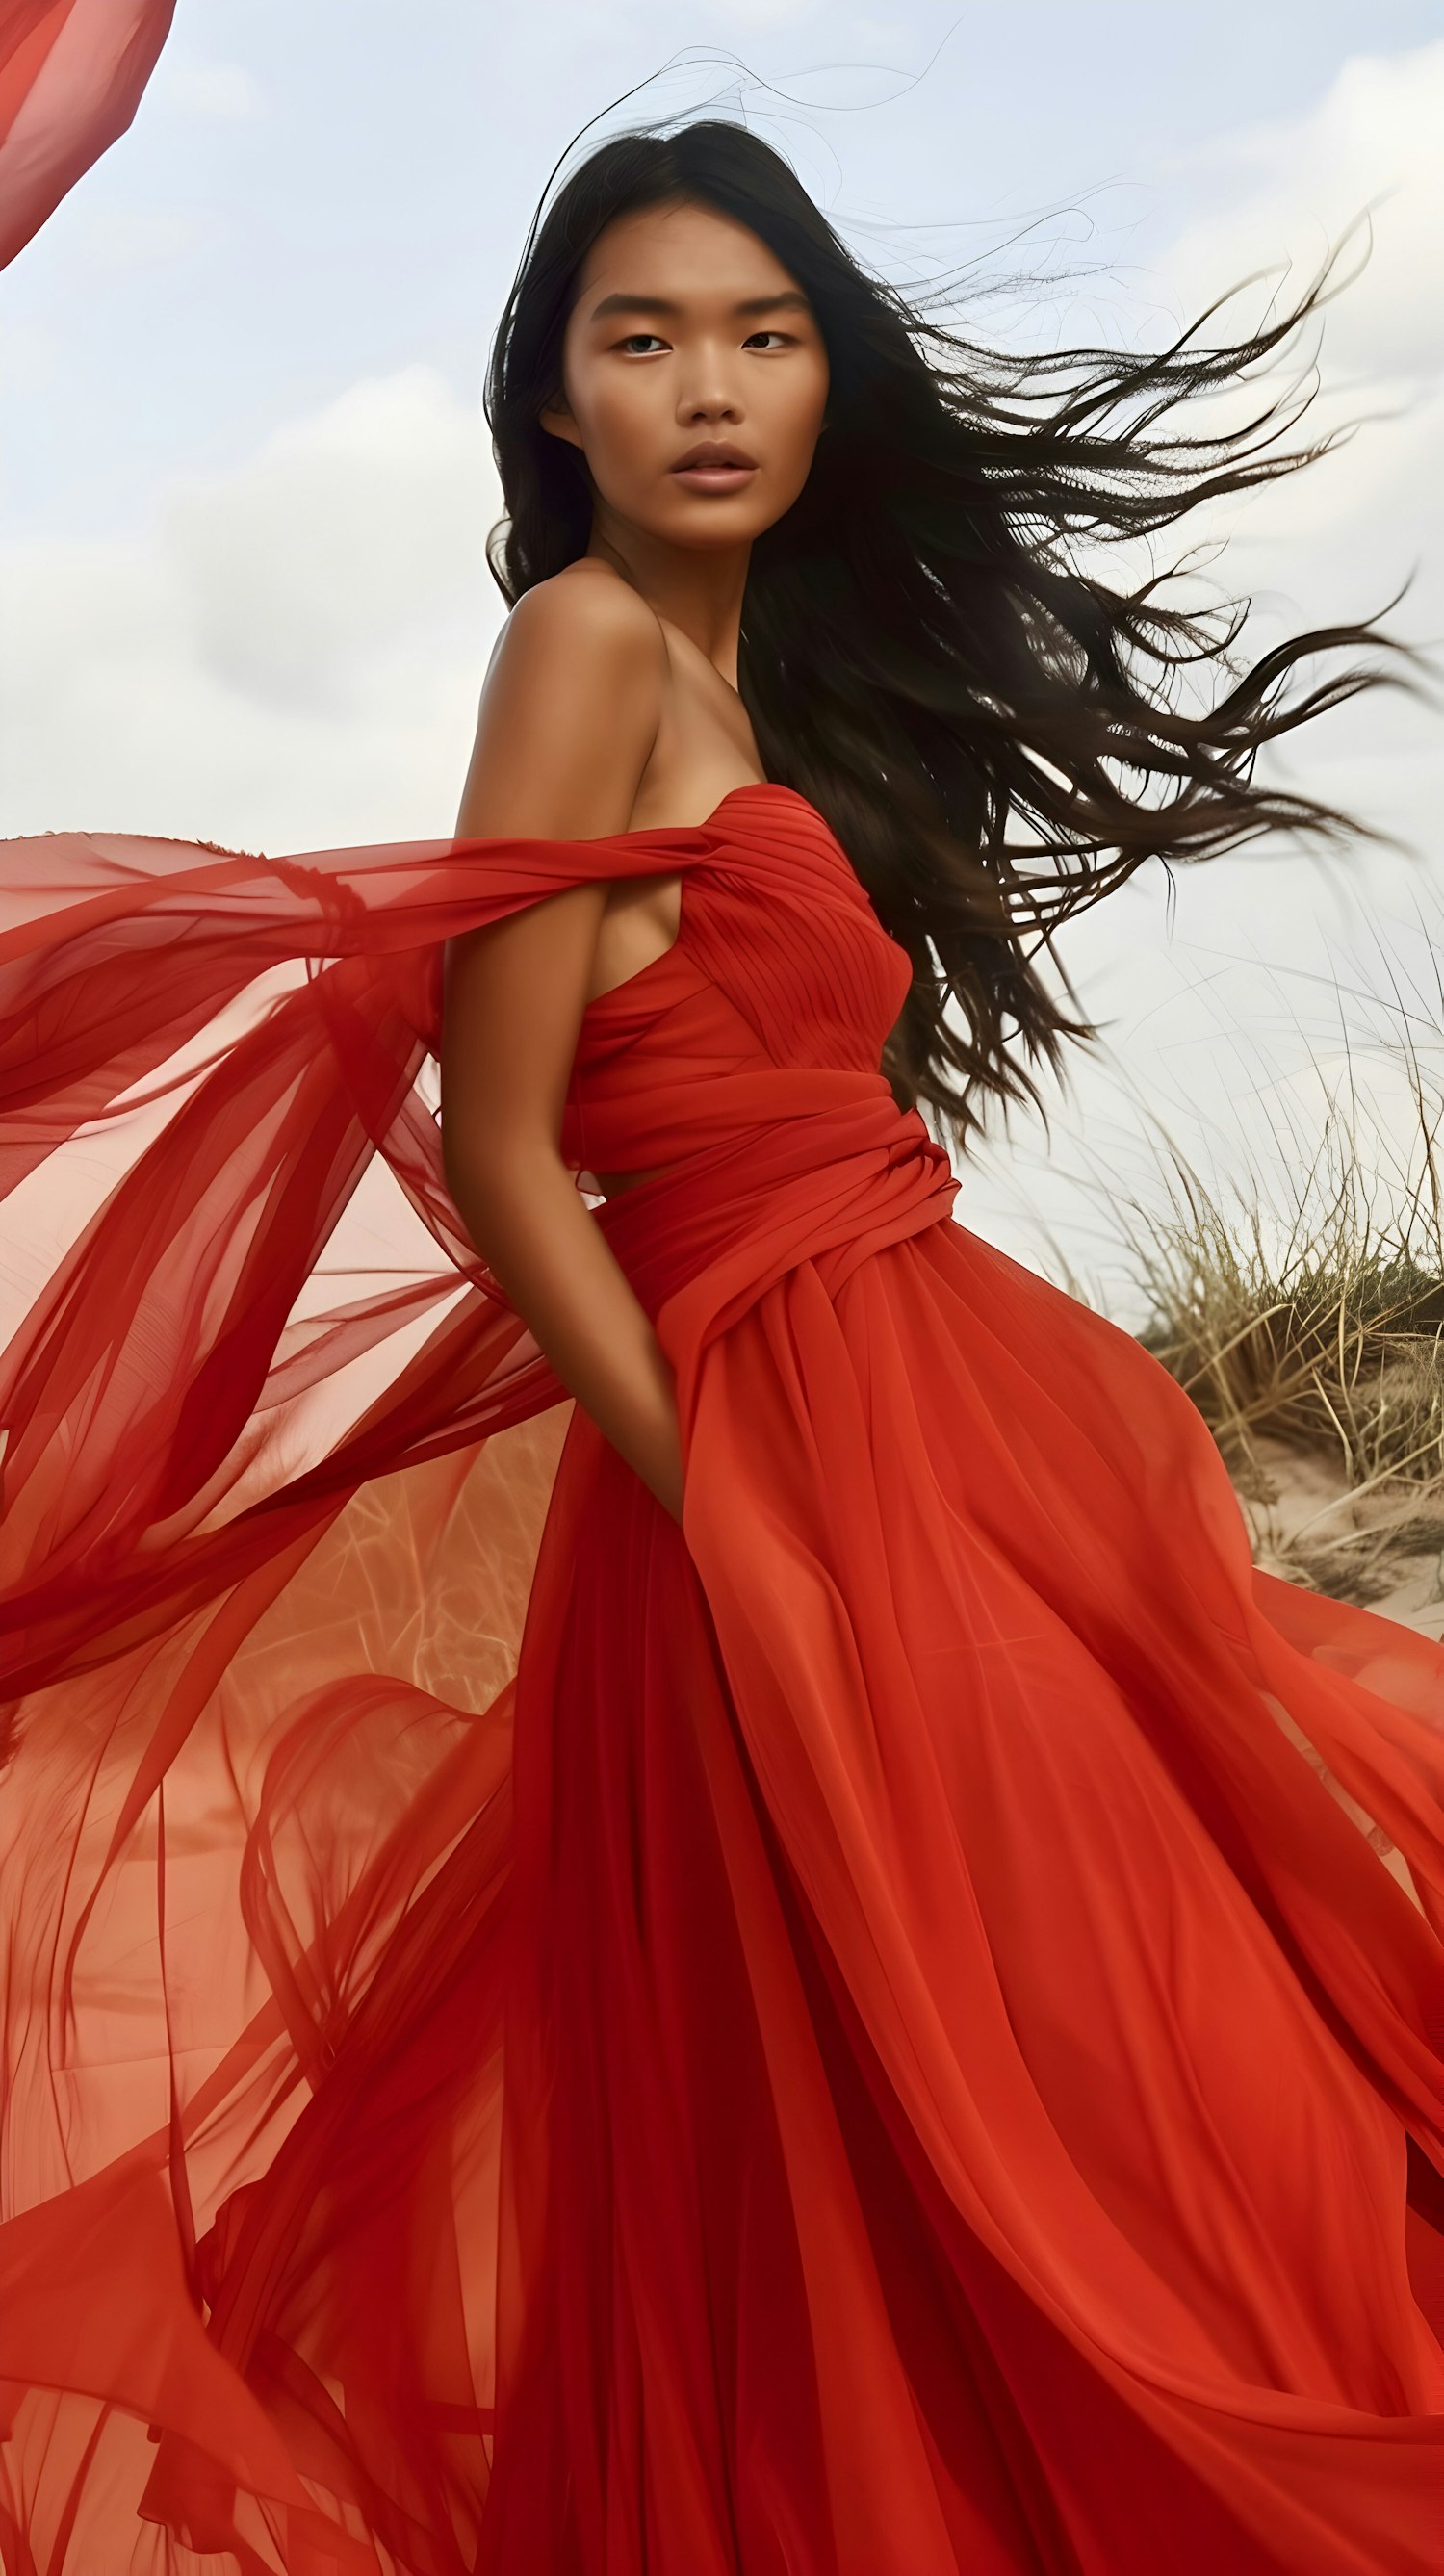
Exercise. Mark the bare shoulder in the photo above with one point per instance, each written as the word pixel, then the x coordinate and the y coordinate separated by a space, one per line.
pixel 570 710
pixel 585 611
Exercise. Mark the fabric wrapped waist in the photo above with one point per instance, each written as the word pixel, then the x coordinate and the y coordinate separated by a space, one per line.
pixel 627 1122
pixel 830 1181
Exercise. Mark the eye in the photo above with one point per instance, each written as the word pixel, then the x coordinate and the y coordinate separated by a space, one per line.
pixel 779 339
pixel 630 344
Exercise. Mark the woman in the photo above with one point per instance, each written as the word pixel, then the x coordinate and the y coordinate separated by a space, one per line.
pixel 800 1968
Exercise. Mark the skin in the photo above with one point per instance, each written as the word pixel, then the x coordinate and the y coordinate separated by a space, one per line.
pixel 611 705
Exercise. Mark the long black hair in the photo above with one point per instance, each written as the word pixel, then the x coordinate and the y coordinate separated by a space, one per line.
pixel 930 652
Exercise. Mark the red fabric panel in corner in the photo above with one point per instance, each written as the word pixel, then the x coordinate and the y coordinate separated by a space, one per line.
pixel 71 77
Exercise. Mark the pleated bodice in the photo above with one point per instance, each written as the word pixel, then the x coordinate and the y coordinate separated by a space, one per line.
pixel 780 967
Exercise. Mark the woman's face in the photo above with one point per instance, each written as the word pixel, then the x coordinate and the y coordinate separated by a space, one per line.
pixel 694 378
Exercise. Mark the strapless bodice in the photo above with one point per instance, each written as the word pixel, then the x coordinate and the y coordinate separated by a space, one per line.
pixel 780 966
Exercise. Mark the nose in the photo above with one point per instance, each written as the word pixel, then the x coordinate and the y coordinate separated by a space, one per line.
pixel 706 396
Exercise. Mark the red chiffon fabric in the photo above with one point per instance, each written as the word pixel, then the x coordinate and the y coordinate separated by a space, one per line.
pixel 71 77
pixel 897 2026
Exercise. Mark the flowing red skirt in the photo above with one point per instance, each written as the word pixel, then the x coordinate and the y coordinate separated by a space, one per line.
pixel 897 2026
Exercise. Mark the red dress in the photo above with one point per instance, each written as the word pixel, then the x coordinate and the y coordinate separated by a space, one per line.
pixel 894 2029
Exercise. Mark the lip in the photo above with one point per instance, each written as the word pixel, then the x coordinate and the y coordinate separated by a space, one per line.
pixel 714 465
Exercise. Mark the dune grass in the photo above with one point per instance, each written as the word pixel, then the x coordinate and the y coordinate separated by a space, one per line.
pixel 1305 1317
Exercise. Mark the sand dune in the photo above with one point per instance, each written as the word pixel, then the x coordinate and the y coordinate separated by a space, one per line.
pixel 1383 1548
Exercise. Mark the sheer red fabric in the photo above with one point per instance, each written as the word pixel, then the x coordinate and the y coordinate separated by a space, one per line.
pixel 71 77
pixel 896 2026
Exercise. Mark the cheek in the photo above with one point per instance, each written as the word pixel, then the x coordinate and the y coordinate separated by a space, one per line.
pixel 797 424
pixel 618 431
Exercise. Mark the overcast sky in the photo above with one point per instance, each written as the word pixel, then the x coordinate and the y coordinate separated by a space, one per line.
pixel 244 481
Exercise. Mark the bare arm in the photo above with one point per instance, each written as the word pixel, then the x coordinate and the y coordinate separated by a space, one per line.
pixel 568 717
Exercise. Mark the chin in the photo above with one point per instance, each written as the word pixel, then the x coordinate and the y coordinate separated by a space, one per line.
pixel 713 523
pixel 711 538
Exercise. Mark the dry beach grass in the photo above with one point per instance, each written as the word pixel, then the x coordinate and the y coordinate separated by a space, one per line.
pixel 1307 1323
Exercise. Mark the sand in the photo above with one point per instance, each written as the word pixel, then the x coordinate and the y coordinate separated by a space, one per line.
pixel 1384 1549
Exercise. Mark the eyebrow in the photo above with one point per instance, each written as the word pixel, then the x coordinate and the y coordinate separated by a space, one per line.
pixel 789 301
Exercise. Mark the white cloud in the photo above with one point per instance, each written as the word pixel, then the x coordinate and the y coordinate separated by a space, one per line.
pixel 1287 191
pixel 1337 539
pixel 290 656
pixel 1217 1018
pixel 29 348
pixel 348 535
pixel 123 238
pixel 226 91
